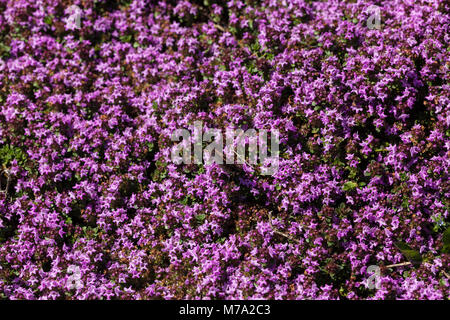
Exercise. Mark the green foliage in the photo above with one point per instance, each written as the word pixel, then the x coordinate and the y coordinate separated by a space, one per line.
pixel 200 218
pixel 255 47
pixel 253 69
pixel 349 185
pixel 126 38
pixel 125 3
pixel 150 146
pixel 412 255
pixel 438 222
pixel 188 200
pixel 160 172
pixel 446 241
pixel 9 153
pixel 48 20
pixel 4 50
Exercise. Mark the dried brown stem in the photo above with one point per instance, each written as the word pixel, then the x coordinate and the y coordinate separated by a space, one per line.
pixel 399 265
pixel 275 230
pixel 8 181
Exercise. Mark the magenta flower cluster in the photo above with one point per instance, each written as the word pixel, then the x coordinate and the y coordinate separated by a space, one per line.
pixel 95 209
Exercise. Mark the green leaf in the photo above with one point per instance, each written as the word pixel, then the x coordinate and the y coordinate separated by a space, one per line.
pixel 48 20
pixel 446 237
pixel 150 146
pixel 9 153
pixel 200 218
pixel 269 55
pixel 255 47
pixel 222 240
pixel 446 240
pixel 4 49
pixel 413 256
pixel 126 38
pixel 405 203
pixel 349 185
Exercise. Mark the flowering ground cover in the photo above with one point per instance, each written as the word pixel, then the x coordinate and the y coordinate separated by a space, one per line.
pixel 92 207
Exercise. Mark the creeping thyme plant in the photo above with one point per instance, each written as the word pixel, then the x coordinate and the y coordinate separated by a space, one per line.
pixel 95 209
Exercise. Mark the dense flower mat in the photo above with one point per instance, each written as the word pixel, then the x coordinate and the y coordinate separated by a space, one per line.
pixel 95 209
